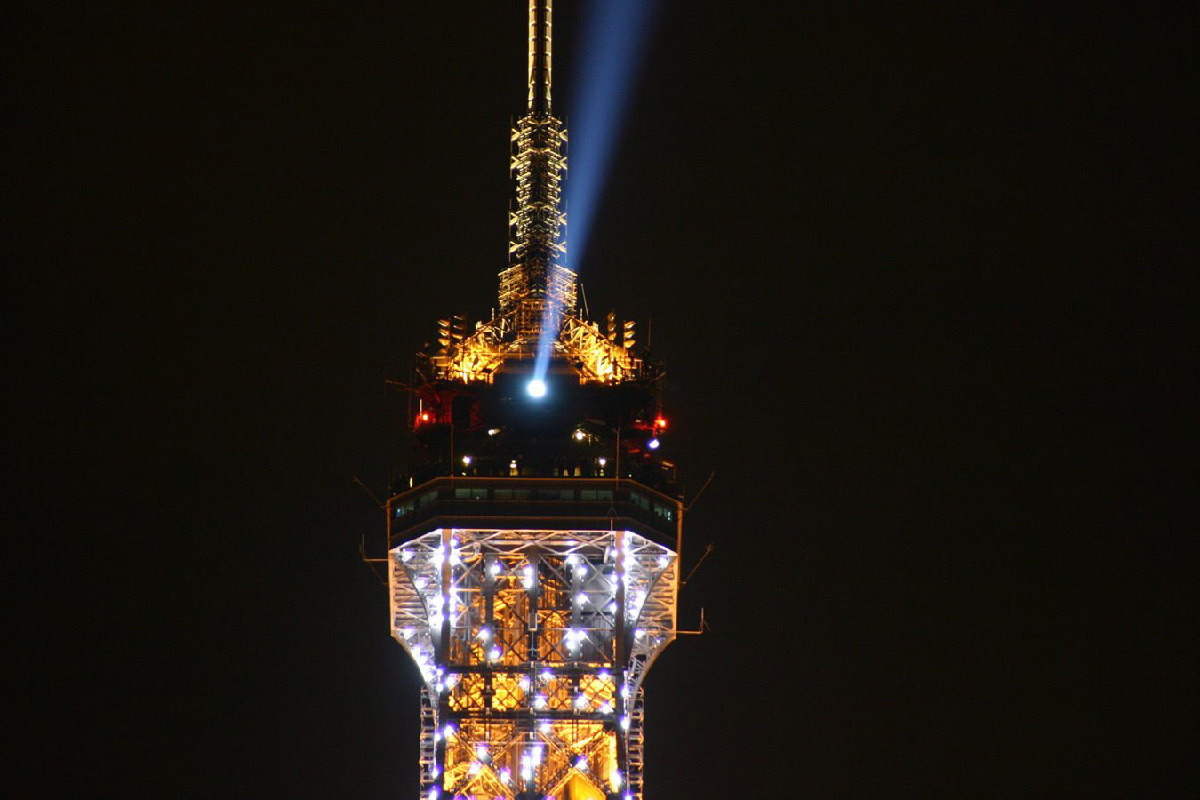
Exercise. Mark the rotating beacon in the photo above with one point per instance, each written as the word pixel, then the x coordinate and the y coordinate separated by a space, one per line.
pixel 534 541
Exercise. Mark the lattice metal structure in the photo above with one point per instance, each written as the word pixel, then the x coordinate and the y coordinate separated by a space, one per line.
pixel 533 645
pixel 535 282
pixel 534 540
pixel 538 292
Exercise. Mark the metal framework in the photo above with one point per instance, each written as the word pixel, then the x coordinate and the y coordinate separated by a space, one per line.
pixel 531 604
pixel 536 289
pixel 533 645
pixel 535 284
pixel 601 357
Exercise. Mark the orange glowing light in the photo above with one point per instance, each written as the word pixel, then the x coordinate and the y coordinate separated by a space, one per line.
pixel 660 423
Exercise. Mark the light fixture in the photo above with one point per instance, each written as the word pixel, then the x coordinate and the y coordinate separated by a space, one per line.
pixel 536 388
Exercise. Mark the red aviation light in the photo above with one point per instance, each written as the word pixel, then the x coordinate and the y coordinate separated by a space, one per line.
pixel 660 423
pixel 423 417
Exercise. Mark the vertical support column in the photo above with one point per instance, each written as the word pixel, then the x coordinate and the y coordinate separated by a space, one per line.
pixel 442 651
pixel 533 587
pixel 621 673
pixel 532 583
pixel 637 743
pixel 490 568
pixel 430 772
pixel 577 576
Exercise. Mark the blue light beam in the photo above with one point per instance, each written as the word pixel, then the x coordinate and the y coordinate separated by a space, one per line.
pixel 615 33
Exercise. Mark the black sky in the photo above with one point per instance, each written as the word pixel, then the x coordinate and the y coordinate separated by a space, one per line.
pixel 922 274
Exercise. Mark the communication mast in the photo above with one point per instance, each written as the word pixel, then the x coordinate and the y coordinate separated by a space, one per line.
pixel 534 544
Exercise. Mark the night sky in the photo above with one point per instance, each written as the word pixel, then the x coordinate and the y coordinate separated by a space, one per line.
pixel 921 274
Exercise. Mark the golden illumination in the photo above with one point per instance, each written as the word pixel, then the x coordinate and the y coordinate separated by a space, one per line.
pixel 477 358
pixel 530 679
pixel 532 643
pixel 575 757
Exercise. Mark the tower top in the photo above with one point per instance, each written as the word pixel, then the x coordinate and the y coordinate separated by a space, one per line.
pixel 536 286
pixel 539 318
pixel 540 55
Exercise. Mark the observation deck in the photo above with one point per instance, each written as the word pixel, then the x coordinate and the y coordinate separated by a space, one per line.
pixel 568 504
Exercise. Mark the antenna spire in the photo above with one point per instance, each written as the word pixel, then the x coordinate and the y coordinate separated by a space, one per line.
pixel 540 55
pixel 536 288
pixel 539 319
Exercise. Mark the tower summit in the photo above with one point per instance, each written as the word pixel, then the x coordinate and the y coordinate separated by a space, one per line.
pixel 536 288
pixel 534 538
